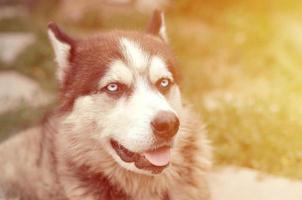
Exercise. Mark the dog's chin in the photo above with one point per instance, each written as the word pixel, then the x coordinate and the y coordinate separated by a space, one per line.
pixel 150 162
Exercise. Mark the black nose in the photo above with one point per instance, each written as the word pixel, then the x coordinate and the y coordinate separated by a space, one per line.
pixel 165 124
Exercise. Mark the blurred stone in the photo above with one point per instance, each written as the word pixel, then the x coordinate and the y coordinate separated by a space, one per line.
pixel 78 11
pixel 148 6
pixel 11 11
pixel 75 11
pixel 12 44
pixel 238 184
pixel 16 90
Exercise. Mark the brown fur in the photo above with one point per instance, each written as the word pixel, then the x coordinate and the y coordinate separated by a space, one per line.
pixel 94 53
pixel 63 160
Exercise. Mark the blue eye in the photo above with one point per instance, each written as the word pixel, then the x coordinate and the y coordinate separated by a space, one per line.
pixel 164 83
pixel 112 87
pixel 115 88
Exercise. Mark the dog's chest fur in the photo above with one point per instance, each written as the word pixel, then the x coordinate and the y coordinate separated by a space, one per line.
pixel 98 185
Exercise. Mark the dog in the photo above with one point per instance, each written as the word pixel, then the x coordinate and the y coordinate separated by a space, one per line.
pixel 121 130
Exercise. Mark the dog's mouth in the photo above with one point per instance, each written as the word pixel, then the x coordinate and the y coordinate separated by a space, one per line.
pixel 155 160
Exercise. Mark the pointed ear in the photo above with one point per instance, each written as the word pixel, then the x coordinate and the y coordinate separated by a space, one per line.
pixel 157 25
pixel 62 45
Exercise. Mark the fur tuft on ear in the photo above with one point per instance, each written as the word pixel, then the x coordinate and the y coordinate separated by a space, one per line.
pixel 157 25
pixel 62 45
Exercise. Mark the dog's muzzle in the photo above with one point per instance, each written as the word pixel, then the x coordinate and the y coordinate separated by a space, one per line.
pixel 144 160
pixel 164 126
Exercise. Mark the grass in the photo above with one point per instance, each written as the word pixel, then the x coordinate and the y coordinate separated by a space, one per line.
pixel 35 62
pixel 241 70
pixel 19 119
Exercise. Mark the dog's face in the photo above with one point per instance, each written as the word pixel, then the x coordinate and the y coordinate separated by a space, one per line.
pixel 121 87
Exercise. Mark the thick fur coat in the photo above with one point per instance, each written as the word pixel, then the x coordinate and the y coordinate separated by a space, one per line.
pixel 98 144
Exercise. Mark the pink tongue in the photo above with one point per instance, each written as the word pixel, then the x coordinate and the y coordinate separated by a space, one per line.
pixel 158 157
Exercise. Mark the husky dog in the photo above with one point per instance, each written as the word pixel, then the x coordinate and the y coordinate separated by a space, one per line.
pixel 121 130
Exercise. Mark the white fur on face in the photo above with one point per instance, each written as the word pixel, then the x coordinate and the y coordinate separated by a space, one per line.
pixel 158 69
pixel 117 72
pixel 134 55
pixel 61 54
pixel 133 130
pixel 127 119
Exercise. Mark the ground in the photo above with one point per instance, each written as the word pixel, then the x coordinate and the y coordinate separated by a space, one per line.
pixel 231 183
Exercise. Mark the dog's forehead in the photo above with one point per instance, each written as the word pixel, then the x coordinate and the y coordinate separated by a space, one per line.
pixel 134 55
pixel 133 48
pixel 139 50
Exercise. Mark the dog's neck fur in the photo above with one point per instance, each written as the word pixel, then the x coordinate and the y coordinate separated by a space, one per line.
pixel 39 170
pixel 98 184
pixel 95 184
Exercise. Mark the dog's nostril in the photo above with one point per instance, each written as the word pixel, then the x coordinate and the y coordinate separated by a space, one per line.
pixel 165 124
pixel 160 125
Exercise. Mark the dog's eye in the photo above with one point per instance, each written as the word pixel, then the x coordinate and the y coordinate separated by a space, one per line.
pixel 114 88
pixel 163 84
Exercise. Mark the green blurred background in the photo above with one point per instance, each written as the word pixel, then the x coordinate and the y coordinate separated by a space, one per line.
pixel 240 60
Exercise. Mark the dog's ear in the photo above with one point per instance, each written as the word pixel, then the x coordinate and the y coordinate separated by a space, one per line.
pixel 62 45
pixel 157 25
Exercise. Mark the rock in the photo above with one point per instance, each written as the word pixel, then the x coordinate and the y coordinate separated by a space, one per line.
pixel 81 9
pixel 7 12
pixel 147 6
pixel 245 184
pixel 12 44
pixel 16 89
